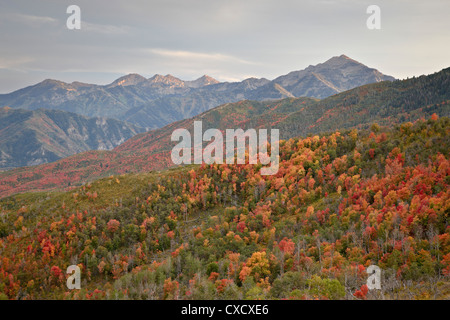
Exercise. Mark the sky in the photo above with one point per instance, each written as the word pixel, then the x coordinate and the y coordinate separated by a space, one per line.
pixel 229 40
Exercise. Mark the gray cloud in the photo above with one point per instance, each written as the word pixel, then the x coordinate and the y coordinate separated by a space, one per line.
pixel 229 40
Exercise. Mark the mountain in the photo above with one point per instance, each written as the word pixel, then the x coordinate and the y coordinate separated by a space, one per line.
pixel 145 151
pixel 387 103
pixel 128 80
pixel 157 101
pixel 41 136
pixel 335 75
pixel 201 82
pixel 167 80
pixel 182 107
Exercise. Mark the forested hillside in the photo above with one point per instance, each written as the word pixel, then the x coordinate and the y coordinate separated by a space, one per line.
pixel 387 103
pixel 143 152
pixel 340 202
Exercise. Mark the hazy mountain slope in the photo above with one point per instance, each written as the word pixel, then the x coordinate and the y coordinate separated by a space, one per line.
pixel 162 111
pixel 111 100
pixel 41 136
pixel 333 76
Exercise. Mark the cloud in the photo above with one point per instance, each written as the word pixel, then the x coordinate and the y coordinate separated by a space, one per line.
pixel 104 28
pixel 201 56
pixel 32 19
pixel 228 40
pixel 14 63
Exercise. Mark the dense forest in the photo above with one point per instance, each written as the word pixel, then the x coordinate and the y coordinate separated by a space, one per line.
pixel 387 103
pixel 340 202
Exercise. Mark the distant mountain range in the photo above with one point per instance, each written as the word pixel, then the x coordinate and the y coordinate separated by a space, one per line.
pixel 157 101
pixel 41 136
pixel 388 103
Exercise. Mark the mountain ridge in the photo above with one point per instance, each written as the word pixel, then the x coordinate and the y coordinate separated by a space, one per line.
pixel 159 100
pixel 32 137
pixel 352 74
pixel 387 103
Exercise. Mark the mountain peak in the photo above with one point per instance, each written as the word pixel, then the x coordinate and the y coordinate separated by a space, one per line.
pixel 204 80
pixel 335 75
pixel 208 78
pixel 128 80
pixel 339 61
pixel 52 82
pixel 168 79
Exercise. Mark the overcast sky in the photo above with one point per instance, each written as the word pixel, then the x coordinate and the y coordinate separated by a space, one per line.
pixel 229 40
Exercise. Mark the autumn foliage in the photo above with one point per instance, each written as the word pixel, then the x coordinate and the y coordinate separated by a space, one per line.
pixel 339 203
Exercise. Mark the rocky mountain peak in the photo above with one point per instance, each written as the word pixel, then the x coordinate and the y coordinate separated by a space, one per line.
pixel 167 80
pixel 128 80
pixel 204 80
